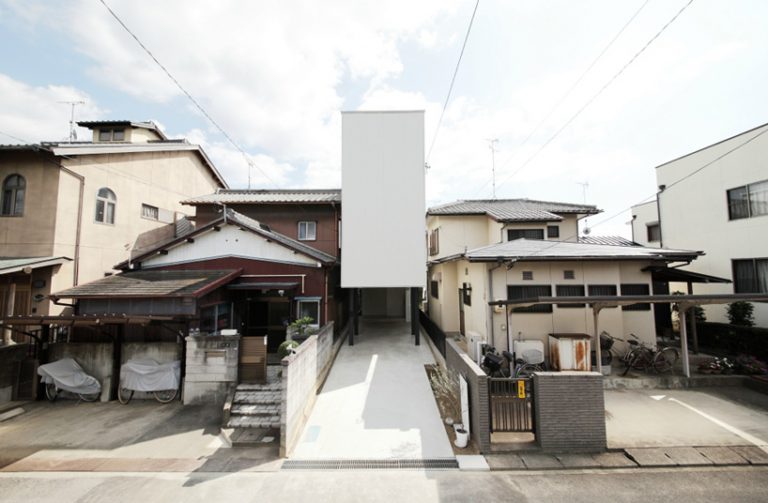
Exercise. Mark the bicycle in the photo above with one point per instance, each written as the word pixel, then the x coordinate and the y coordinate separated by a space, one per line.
pixel 639 356
pixel 162 380
pixel 67 375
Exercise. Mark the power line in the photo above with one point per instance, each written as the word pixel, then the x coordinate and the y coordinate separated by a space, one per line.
pixel 453 79
pixel 191 98
pixel 575 84
pixel 22 140
pixel 597 94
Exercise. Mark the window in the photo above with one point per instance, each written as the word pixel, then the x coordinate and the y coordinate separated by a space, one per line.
pixel 434 242
pixel 527 275
pixel 750 275
pixel 150 212
pixel 309 306
pixel 111 134
pixel 748 201
pixel 433 289
pixel 601 290
pixel 216 317
pixel 570 291
pixel 636 289
pixel 569 274
pixel 466 294
pixel 105 206
pixel 527 292
pixel 307 231
pixel 553 231
pixel 654 232
pixel 14 188
pixel 513 234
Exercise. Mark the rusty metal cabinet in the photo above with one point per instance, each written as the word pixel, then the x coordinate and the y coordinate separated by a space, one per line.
pixel 569 351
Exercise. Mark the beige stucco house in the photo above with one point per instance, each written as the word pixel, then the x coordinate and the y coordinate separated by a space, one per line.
pixel 70 211
pixel 484 251
pixel 715 199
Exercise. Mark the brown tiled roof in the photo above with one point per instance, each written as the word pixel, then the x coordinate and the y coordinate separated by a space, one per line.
pixel 151 283
pixel 607 240
pixel 513 210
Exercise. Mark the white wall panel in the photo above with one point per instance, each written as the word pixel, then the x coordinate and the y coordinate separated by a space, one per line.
pixel 382 179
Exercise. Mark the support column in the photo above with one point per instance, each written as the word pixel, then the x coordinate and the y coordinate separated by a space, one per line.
pixel 117 356
pixel 415 315
pixel 598 352
pixel 352 318
pixel 9 307
pixel 683 311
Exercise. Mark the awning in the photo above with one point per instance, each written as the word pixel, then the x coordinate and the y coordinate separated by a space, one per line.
pixel 682 275
pixel 263 285
pixel 82 319
pixel 10 265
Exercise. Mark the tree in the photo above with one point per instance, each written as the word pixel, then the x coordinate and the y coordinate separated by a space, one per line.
pixel 741 313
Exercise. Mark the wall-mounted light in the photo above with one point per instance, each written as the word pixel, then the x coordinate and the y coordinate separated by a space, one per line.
pixel 281 292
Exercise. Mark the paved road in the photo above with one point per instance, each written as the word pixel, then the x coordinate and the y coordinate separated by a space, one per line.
pixel 648 486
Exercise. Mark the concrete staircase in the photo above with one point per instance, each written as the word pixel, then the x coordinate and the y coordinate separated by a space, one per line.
pixel 254 413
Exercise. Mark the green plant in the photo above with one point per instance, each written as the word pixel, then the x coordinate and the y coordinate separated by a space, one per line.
pixel 300 325
pixel 286 348
pixel 741 313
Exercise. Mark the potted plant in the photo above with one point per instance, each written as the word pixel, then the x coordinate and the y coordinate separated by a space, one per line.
pixel 300 329
pixel 462 436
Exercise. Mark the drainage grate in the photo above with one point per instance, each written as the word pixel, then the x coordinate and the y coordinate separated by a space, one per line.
pixel 370 464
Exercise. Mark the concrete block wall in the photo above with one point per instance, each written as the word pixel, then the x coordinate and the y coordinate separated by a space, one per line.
pixel 10 358
pixel 477 382
pixel 569 411
pixel 303 374
pixel 211 368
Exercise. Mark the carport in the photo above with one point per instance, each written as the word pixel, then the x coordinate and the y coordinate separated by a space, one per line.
pixel 598 303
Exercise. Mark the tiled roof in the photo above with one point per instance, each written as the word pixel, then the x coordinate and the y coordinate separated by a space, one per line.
pixel 142 125
pixel 513 210
pixel 150 283
pixel 287 196
pixel 534 249
pixel 607 240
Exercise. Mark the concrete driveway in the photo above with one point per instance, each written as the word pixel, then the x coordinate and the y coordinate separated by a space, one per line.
pixel 377 402
pixel 722 416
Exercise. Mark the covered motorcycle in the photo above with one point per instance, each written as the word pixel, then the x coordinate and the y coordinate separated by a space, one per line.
pixel 66 374
pixel 145 374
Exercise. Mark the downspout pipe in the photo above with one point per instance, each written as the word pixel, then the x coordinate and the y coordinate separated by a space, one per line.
pixel 658 214
pixel 78 232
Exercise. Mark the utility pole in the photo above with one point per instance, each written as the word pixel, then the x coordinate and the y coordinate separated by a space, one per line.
pixel 492 145
pixel 73 104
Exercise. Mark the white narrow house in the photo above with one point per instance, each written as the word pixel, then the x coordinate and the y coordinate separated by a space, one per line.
pixel 383 232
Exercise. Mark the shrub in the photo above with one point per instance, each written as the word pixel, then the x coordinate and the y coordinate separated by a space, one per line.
pixel 741 313
pixel 286 348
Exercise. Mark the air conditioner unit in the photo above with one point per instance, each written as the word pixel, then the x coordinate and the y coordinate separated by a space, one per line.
pixel 476 342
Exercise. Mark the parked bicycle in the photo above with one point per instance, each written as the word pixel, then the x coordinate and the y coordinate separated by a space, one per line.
pixel 506 365
pixel 160 379
pixel 640 356
pixel 67 375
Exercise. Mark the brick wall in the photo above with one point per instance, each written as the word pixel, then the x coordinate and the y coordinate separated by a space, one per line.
pixel 303 374
pixel 211 368
pixel 477 382
pixel 569 411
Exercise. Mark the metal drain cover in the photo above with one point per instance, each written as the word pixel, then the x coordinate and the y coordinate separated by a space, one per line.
pixel 371 464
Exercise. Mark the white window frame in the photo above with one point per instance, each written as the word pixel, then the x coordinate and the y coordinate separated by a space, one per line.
pixel 107 202
pixel 309 300
pixel 150 212
pixel 306 226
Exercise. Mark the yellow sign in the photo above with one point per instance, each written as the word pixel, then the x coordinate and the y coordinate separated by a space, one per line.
pixel 521 389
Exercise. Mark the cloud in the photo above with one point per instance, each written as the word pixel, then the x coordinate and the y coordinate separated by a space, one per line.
pixel 33 114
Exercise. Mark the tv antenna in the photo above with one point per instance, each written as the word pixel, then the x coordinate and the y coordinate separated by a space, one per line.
pixel 72 131
pixel 492 145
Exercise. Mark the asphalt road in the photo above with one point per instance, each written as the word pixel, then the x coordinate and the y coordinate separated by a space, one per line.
pixel 679 485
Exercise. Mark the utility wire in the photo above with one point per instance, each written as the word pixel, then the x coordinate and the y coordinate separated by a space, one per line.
pixel 597 94
pixel 14 137
pixel 188 95
pixel 453 79
pixel 573 86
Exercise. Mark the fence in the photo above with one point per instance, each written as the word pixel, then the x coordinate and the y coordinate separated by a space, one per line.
pixel 303 375
pixel 511 404
pixel 433 331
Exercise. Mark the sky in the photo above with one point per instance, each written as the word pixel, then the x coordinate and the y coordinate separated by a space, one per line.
pixel 580 114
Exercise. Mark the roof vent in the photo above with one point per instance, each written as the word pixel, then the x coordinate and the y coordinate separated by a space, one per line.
pixel 527 275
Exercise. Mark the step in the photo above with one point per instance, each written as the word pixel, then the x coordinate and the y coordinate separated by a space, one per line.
pixel 255 410
pixel 274 386
pixel 254 422
pixel 254 437
pixel 257 397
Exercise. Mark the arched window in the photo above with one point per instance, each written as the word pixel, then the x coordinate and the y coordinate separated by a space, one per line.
pixel 13 196
pixel 105 206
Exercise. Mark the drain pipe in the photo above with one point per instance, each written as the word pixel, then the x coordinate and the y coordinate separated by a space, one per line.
pixel 78 231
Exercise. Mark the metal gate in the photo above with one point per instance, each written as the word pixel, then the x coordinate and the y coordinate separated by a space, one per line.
pixel 511 404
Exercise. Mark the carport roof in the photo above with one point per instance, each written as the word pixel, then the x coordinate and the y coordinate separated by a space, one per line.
pixel 82 319
pixel 602 301
pixel 15 264
pixel 152 283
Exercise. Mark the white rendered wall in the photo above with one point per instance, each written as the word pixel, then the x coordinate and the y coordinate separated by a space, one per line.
pixel 642 215
pixel 382 180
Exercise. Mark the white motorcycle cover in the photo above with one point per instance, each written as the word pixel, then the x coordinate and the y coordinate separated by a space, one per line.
pixel 69 376
pixel 148 375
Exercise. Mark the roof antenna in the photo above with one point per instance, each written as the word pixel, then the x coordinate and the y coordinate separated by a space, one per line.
pixel 492 145
pixel 584 187
pixel 72 131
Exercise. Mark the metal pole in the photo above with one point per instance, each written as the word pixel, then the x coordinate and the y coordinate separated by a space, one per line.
pixel 415 314
pixel 684 338
pixel 598 353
